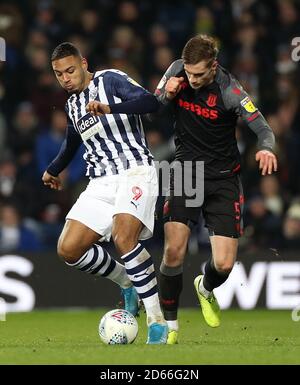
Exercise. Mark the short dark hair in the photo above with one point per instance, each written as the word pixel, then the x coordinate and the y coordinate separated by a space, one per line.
pixel 198 48
pixel 65 49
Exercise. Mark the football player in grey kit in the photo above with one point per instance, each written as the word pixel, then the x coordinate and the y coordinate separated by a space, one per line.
pixel 206 101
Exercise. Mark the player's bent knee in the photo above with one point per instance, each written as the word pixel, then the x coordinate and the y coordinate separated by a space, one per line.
pixel 67 252
pixel 124 242
pixel 224 267
pixel 173 255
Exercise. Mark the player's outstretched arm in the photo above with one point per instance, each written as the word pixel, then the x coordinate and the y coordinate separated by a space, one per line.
pixel 133 99
pixel 237 100
pixel 146 103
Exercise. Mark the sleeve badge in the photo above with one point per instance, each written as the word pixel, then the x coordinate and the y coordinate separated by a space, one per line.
pixel 247 104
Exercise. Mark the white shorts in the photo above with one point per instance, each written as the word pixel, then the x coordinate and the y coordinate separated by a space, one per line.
pixel 133 192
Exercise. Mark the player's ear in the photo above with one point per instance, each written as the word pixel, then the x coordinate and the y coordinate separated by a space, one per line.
pixel 214 65
pixel 84 63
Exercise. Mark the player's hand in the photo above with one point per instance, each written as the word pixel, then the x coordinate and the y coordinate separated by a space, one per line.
pixel 97 108
pixel 173 86
pixel 53 182
pixel 267 161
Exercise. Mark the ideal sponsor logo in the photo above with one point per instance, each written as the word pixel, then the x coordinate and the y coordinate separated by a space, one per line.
pixel 88 126
pixel 86 122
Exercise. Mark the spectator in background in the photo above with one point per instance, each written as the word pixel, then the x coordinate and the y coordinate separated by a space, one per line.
pixel 117 59
pixel 48 144
pixel 51 225
pixel 288 21
pixel 18 187
pixel 3 130
pixel 45 96
pixel 204 22
pixel 14 235
pixel 37 39
pixel 158 38
pixel 47 20
pixel 272 196
pixel 284 64
pixel 291 225
pixel 22 133
pixel 90 34
pixel 89 26
pixel 179 21
pixel 128 14
pixel 125 41
pixel 262 227
pixel 82 42
pixel 163 56
pixel 245 69
pixel 8 176
pixel 12 71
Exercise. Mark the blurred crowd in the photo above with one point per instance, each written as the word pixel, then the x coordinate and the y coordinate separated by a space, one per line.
pixel 142 38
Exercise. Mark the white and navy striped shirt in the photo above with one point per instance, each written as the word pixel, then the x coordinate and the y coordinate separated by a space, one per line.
pixel 114 142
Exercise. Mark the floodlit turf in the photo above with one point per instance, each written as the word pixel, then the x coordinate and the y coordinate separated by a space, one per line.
pixel 245 337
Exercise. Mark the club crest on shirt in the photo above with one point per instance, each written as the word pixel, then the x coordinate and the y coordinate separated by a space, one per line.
pixel 132 81
pixel 93 94
pixel 211 100
pixel 247 104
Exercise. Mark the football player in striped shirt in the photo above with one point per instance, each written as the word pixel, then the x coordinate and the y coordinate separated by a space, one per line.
pixel 119 202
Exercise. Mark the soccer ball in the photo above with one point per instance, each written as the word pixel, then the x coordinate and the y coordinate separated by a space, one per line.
pixel 118 326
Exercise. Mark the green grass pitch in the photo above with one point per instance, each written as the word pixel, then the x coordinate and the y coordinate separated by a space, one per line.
pixel 71 337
